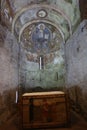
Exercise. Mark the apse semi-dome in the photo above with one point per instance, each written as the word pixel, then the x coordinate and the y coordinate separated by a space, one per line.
pixel 64 14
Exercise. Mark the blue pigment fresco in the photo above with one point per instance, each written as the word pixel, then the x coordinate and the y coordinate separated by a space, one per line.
pixel 41 38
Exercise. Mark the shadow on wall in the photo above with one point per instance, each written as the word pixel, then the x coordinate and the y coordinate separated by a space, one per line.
pixel 24 89
pixel 78 100
pixel 8 106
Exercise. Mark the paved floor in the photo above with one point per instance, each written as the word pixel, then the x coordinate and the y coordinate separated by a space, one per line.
pixel 77 123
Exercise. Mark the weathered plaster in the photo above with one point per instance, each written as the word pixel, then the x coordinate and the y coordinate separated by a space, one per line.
pixel 76 56
pixel 8 74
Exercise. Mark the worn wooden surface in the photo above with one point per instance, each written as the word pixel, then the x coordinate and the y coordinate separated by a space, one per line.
pixel 44 109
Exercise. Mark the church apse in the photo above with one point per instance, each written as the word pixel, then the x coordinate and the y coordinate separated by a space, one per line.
pixel 44 51
pixel 32 52
pixel 41 31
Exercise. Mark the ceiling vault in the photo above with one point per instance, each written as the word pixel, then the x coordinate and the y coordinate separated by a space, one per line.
pixel 44 6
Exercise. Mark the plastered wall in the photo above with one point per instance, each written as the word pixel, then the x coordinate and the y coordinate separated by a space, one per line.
pixel 76 59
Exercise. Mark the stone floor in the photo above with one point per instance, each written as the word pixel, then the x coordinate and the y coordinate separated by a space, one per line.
pixel 77 123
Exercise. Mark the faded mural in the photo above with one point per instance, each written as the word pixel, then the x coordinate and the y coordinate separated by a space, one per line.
pixel 43 40
pixel 42 34
pixel 41 29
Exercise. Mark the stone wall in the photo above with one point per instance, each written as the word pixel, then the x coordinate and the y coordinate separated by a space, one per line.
pixel 76 60
pixel 8 74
